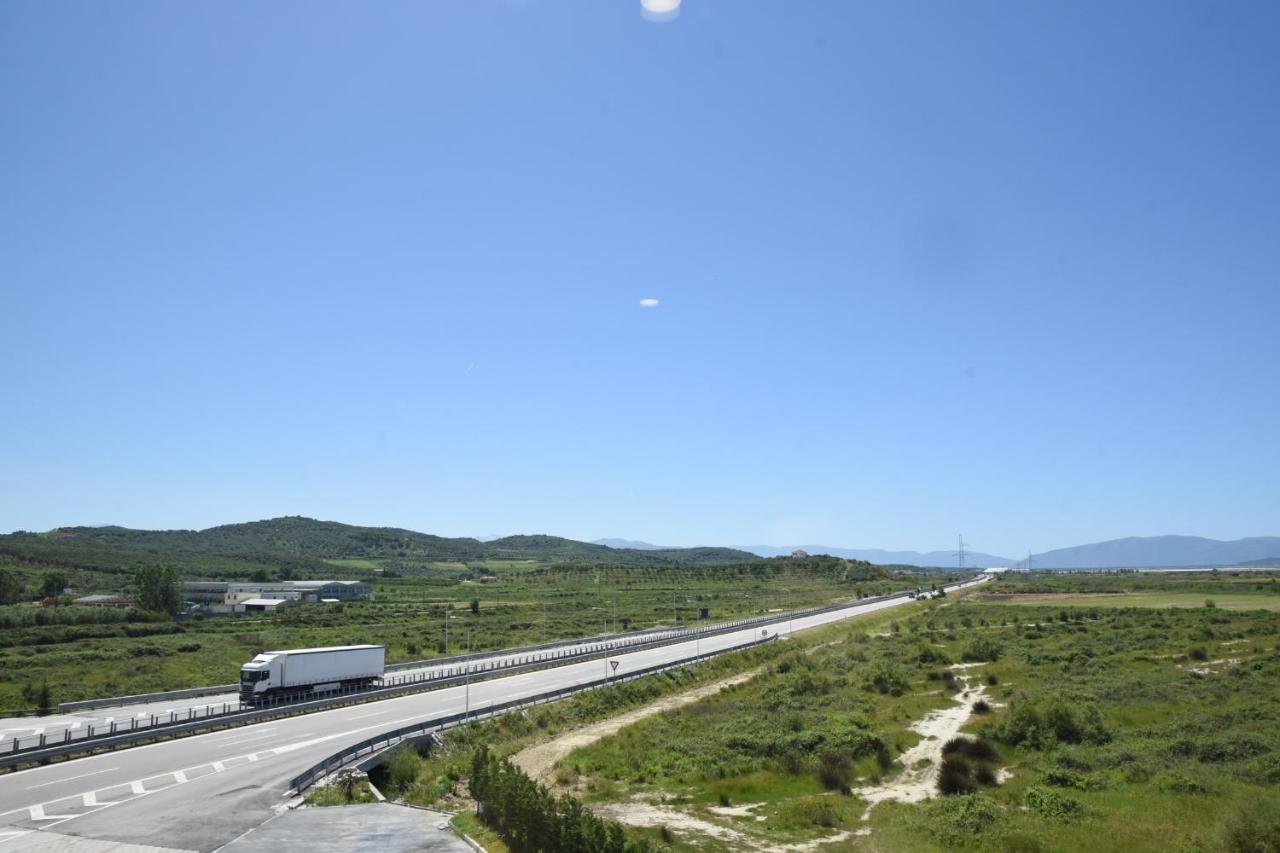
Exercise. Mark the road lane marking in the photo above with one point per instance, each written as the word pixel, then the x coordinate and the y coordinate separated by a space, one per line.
pixel 89 799
pixel 179 776
pixel 70 778
pixel 136 787
pixel 363 716
pixel 218 767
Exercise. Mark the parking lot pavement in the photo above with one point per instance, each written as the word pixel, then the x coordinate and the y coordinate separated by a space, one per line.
pixel 371 828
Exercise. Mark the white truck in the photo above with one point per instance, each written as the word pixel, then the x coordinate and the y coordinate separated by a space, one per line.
pixel 300 673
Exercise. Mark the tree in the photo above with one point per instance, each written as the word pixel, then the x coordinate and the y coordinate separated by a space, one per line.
pixel 10 588
pixel 53 585
pixel 475 605
pixel 158 589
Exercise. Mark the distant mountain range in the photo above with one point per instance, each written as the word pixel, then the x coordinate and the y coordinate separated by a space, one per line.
pixel 1132 552
pixel 1155 551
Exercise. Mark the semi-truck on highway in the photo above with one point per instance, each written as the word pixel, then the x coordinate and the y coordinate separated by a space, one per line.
pixel 299 673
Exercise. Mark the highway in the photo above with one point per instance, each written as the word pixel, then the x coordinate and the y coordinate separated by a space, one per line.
pixel 201 792
pixel 53 725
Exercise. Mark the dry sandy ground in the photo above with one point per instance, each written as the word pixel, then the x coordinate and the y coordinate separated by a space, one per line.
pixel 651 814
pixel 540 759
pixel 918 780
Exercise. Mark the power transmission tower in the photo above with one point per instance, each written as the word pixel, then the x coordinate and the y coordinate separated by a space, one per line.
pixel 960 553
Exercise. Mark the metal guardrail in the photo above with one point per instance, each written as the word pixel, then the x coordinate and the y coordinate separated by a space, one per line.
pixel 379 742
pixel 158 726
pixel 423 663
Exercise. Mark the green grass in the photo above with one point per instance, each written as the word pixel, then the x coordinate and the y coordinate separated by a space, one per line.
pixel 1181 761
pixel 1226 600
pixel 527 606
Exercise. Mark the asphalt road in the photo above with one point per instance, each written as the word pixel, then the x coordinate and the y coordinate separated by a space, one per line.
pixel 202 792
pixel 52 726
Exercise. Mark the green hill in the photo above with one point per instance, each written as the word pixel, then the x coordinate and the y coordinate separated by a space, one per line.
pixel 303 547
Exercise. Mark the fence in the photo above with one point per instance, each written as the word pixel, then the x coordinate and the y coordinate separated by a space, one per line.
pixel 40 747
pixel 382 741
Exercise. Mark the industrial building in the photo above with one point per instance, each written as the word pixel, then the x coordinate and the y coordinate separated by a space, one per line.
pixel 227 597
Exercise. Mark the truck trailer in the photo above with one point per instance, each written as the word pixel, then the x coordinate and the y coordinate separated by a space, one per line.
pixel 301 673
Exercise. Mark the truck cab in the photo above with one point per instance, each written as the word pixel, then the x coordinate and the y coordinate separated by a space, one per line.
pixel 255 678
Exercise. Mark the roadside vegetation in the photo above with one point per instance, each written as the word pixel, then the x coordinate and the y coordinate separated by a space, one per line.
pixel 86 652
pixel 1044 729
pixel 1084 728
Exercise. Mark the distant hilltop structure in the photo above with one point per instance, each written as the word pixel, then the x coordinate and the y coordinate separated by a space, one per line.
pixel 799 552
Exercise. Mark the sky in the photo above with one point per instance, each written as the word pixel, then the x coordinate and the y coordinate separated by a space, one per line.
pixel 855 274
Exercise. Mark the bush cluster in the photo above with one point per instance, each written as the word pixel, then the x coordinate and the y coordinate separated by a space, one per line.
pixel 530 818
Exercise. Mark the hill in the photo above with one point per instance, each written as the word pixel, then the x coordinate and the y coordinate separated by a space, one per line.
pixel 1157 551
pixel 942 559
pixel 304 547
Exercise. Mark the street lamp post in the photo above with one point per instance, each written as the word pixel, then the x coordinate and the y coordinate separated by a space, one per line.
pixel 467 712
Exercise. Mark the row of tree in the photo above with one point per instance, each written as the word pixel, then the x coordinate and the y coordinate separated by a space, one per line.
pixel 531 819
pixel 159 588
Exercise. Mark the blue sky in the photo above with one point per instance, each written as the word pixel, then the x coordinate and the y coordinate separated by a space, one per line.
pixel 1006 269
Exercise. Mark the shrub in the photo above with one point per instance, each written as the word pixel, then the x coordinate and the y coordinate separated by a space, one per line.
pixel 1176 783
pixel 993 679
pixel 401 768
pixel 887 678
pixel 957 821
pixel 981 707
pixel 955 776
pixel 982 649
pixel 835 771
pixel 930 654
pixel 1253 828
pixel 1050 804
pixel 1049 720
pixel 1198 653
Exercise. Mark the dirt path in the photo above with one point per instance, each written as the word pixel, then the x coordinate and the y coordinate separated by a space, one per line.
pixel 648 814
pixel 540 759
pixel 920 763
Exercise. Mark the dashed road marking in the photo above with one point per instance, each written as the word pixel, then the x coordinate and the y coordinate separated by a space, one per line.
pixel 70 778
pixel 179 776
pixel 136 787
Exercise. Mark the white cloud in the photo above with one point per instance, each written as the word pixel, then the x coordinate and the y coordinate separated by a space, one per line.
pixel 649 303
pixel 659 11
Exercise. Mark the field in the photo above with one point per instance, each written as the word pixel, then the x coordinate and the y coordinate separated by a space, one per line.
pixel 89 652
pixel 1099 728
pixel 1226 601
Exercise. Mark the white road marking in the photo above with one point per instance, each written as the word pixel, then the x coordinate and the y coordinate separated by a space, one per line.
pixel 218 767
pixel 242 739
pixel 70 778
pixel 179 776
pixel 136 787
pixel 74 726
pixel 90 799
pixel 363 716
